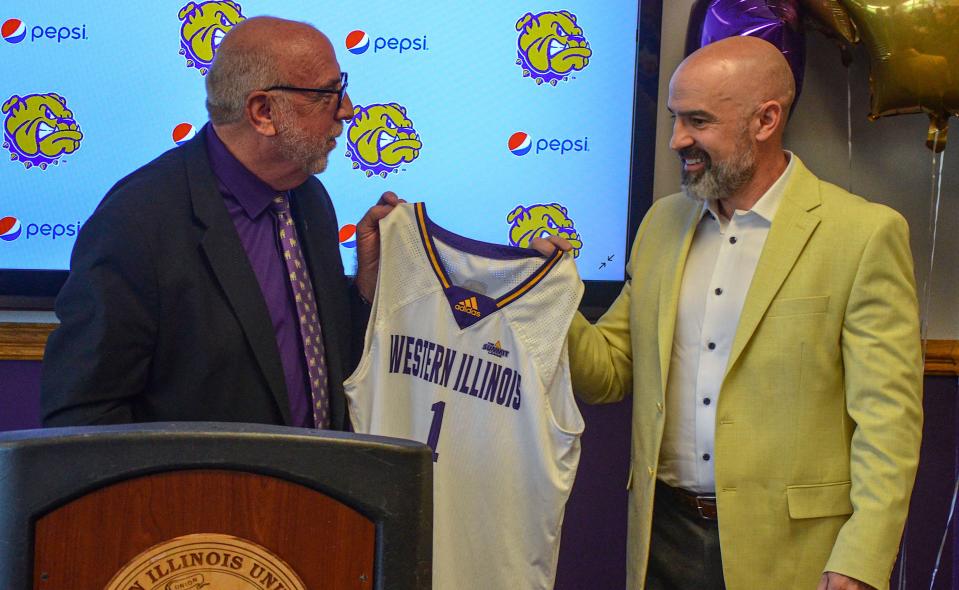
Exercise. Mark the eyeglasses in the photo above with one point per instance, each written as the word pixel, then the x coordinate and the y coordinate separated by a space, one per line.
pixel 339 92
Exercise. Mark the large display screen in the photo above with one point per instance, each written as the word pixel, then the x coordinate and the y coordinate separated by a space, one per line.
pixel 509 119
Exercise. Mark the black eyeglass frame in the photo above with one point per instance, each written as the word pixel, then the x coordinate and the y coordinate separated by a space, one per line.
pixel 344 77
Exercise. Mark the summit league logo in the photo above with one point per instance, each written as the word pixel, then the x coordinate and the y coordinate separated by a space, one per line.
pixel 496 349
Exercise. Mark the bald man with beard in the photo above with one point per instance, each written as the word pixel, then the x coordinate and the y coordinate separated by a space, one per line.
pixel 208 284
pixel 768 331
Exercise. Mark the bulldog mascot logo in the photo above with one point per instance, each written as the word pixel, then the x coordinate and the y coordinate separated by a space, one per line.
pixel 539 221
pixel 551 46
pixel 39 129
pixel 203 27
pixel 381 138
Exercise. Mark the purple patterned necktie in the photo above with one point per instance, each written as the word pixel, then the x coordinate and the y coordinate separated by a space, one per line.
pixel 310 332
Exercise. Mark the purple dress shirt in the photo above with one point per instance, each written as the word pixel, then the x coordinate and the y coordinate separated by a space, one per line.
pixel 247 199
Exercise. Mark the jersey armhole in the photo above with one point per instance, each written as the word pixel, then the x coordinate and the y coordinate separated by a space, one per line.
pixel 561 406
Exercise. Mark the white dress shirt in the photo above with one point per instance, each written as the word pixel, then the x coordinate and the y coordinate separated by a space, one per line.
pixel 719 269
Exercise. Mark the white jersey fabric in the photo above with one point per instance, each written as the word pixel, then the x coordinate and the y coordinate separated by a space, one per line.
pixel 466 351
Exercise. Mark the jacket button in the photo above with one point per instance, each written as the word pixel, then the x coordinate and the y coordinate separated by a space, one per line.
pixel 659 406
pixel 651 471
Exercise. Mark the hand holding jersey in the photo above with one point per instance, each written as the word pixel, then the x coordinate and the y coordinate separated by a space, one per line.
pixel 368 244
pixel 546 246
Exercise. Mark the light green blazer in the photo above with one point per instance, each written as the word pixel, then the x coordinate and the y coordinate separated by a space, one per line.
pixel 819 416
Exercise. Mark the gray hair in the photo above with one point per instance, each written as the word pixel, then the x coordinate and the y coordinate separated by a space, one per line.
pixel 236 72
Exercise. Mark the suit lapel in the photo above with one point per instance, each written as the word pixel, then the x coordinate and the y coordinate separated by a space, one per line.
pixel 670 284
pixel 792 227
pixel 231 267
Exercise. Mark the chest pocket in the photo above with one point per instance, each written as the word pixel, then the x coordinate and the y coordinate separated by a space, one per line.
pixel 798 306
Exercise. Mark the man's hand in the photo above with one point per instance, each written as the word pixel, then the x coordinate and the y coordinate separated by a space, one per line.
pixel 546 247
pixel 834 581
pixel 368 244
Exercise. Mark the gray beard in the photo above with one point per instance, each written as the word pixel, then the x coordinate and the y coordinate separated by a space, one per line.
pixel 296 146
pixel 721 180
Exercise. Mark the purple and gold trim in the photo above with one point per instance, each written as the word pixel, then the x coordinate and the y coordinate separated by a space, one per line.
pixel 531 282
pixel 429 246
pixel 469 307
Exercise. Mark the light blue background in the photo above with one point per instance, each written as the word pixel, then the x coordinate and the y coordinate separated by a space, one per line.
pixel 128 88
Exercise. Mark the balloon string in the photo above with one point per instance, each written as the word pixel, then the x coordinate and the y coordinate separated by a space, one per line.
pixel 849 127
pixel 935 194
pixel 934 224
pixel 945 533
pixel 902 558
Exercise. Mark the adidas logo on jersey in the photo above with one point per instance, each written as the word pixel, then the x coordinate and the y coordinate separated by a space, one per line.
pixel 495 349
pixel 469 306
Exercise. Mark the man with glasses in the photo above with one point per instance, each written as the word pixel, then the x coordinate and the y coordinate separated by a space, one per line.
pixel 208 284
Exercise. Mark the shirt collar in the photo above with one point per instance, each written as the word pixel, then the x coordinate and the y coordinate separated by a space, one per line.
pixel 253 195
pixel 768 204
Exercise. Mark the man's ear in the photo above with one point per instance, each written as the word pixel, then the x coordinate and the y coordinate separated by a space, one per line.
pixel 769 117
pixel 260 113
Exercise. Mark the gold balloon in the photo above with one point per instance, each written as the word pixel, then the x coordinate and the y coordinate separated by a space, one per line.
pixel 914 59
pixel 831 17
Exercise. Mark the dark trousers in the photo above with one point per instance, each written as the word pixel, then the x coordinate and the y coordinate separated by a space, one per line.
pixel 684 548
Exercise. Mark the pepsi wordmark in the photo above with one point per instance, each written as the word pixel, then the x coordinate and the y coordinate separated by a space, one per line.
pixel 14 31
pixel 11 228
pixel 520 144
pixel 358 42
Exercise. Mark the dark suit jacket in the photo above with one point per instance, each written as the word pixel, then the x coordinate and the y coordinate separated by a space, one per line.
pixel 162 317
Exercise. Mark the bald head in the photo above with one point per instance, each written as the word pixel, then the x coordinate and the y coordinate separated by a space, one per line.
pixel 730 102
pixel 745 71
pixel 258 53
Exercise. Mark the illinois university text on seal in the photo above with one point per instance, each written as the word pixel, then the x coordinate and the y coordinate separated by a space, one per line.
pixel 206 562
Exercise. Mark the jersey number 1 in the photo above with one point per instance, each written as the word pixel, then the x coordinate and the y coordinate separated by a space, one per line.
pixel 434 438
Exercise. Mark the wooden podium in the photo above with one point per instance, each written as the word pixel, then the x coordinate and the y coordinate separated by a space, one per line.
pixel 213 506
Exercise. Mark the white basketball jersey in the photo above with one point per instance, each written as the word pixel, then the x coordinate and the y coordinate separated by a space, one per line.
pixel 466 352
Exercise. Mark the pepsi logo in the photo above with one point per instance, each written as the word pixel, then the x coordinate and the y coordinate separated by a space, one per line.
pixel 348 236
pixel 520 143
pixel 13 31
pixel 357 42
pixel 183 133
pixel 10 229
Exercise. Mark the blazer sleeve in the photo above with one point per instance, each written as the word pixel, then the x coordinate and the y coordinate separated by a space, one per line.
pixel 883 384
pixel 601 355
pixel 98 360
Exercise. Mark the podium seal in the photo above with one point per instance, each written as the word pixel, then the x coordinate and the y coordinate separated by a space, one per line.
pixel 206 562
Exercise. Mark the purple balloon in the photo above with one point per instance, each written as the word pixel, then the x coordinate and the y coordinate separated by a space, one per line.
pixel 776 21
